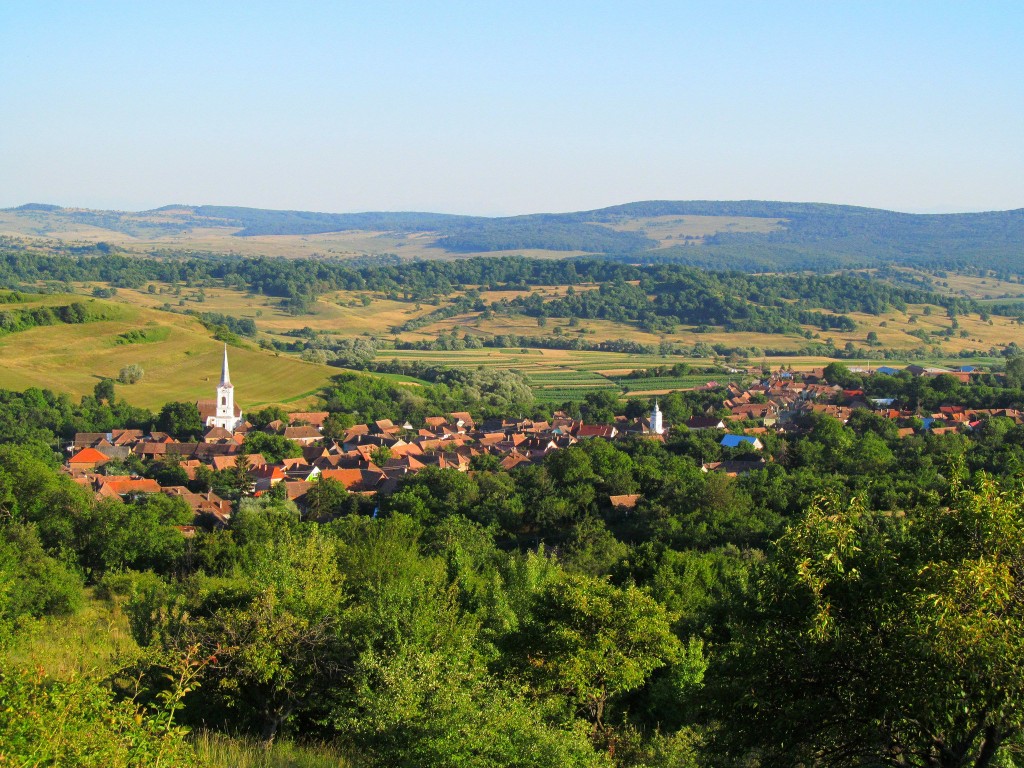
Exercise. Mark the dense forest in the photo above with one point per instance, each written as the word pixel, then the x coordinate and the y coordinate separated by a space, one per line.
pixel 854 601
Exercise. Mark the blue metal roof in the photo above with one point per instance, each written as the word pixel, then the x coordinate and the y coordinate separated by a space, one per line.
pixel 733 441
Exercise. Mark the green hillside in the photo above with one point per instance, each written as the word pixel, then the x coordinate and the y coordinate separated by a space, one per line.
pixel 180 359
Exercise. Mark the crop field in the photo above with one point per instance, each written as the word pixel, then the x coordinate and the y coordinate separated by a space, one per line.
pixel 523 325
pixel 660 384
pixel 557 386
pixel 568 377
pixel 559 395
pixel 567 384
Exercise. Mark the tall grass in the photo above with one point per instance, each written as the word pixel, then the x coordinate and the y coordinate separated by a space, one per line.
pixel 94 641
pixel 219 751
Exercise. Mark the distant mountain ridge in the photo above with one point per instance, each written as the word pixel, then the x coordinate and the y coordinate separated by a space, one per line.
pixel 744 234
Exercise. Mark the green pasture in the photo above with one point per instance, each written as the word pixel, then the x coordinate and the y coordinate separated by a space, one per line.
pixel 180 360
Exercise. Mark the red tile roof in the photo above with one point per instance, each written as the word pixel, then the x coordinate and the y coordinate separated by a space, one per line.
pixel 88 456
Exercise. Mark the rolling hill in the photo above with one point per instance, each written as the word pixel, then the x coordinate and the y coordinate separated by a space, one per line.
pixel 180 359
pixel 744 235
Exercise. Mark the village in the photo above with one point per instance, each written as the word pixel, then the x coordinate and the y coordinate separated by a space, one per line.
pixel 371 459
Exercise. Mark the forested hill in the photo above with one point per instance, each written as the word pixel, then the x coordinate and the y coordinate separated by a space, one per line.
pixel 745 235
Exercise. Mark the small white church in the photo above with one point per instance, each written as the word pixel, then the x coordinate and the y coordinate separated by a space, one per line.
pixel 222 411
pixel 657 427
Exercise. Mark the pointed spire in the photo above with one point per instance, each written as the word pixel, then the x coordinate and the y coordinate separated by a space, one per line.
pixel 224 377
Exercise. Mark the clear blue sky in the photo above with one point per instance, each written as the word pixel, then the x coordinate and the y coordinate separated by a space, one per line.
pixel 513 107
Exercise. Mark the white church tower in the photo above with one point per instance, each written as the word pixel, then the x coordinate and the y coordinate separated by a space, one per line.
pixel 657 427
pixel 225 416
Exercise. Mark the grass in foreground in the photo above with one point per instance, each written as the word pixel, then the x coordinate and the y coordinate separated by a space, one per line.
pixel 94 641
pixel 218 751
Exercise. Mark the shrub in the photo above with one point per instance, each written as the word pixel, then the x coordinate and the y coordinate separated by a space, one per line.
pixel 131 374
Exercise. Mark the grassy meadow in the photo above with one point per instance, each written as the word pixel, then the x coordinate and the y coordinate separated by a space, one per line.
pixel 94 641
pixel 677 230
pixel 180 359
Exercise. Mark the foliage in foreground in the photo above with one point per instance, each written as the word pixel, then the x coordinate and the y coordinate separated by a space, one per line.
pixel 884 639
pixel 517 618
pixel 79 723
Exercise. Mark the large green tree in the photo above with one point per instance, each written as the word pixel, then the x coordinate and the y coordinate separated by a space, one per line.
pixel 180 420
pixel 884 639
pixel 588 642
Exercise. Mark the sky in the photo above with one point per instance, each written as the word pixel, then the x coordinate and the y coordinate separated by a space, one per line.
pixel 515 107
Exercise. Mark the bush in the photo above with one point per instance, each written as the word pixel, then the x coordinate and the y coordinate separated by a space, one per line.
pixel 78 723
pixel 34 584
pixel 131 374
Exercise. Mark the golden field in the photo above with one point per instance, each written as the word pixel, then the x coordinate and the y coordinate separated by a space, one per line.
pixel 183 366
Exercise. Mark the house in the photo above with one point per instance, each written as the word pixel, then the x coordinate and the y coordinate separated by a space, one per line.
pixel 130 487
pixel 217 435
pixel 625 502
pixel 267 476
pixel 606 431
pixel 385 427
pixel 302 435
pixel 220 463
pixel 312 418
pixel 213 508
pixel 90 440
pixel 354 480
pixel 88 458
pixel 125 437
pixel 735 441
pixel 705 422
pixel 513 460
pixel 734 468
pixel 462 419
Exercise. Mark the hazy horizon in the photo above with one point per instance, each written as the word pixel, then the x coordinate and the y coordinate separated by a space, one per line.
pixel 937 211
pixel 455 108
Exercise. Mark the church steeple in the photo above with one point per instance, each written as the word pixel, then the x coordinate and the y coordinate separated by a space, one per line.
pixel 225 415
pixel 225 378
pixel 657 427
